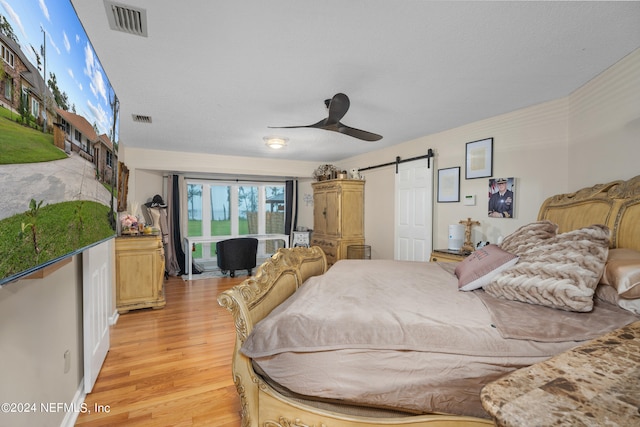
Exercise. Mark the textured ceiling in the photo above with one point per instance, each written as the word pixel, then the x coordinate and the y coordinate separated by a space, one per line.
pixel 214 75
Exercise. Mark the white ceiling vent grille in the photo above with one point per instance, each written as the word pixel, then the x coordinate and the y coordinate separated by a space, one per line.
pixel 126 18
pixel 141 119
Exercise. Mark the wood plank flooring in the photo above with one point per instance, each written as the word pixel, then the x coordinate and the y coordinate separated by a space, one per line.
pixel 171 366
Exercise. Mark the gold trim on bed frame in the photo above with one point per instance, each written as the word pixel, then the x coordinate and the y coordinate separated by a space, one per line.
pixel 616 205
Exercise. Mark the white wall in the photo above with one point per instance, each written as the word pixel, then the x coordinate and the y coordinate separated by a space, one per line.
pixel 604 124
pixel 40 319
pixel 305 203
pixel 529 144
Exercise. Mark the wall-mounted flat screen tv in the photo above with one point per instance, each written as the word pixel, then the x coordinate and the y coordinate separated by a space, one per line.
pixel 58 139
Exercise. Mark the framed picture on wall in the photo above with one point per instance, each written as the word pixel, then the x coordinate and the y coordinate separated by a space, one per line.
pixel 502 197
pixel 449 185
pixel 479 159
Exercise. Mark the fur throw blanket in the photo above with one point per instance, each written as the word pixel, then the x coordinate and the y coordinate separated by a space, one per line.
pixel 559 271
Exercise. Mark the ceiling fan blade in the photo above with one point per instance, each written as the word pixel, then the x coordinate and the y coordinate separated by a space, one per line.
pixel 338 107
pixel 357 133
pixel 319 125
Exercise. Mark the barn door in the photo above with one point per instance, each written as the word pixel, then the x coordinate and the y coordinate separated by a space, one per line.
pixel 414 211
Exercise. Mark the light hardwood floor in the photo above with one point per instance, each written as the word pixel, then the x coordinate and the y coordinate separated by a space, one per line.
pixel 171 366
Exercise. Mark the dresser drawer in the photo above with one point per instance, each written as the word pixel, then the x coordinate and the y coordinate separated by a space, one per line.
pixel 329 247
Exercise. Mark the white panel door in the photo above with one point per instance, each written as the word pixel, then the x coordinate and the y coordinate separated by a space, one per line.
pixel 414 207
pixel 97 278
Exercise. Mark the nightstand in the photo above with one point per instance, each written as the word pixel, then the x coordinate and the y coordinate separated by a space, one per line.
pixel 300 238
pixel 446 255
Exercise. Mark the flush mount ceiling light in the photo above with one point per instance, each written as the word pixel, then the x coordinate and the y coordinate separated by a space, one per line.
pixel 275 142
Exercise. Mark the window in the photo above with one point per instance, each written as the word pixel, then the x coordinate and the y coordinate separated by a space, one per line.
pixel 35 107
pixel 78 135
pixel 7 55
pixel 217 208
pixel 8 85
pixel 109 159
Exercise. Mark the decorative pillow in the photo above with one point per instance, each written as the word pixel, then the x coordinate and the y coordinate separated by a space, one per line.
pixel 481 266
pixel 529 236
pixel 560 272
pixel 622 271
pixel 609 294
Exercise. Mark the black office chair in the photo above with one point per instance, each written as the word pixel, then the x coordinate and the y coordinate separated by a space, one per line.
pixel 237 254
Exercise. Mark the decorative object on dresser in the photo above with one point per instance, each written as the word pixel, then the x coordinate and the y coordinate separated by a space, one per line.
pixel 338 216
pixel 456 237
pixel 468 244
pixel 139 273
pixel 301 238
pixel 324 172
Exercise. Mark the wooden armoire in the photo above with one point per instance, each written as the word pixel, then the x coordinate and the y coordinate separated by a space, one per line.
pixel 338 216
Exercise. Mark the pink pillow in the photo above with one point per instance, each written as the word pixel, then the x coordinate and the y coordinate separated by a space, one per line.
pixel 622 271
pixel 477 270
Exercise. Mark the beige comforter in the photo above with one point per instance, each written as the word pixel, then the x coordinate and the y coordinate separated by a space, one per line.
pixel 394 334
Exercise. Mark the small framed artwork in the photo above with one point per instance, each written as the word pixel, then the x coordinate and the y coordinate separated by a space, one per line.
pixel 479 159
pixel 449 185
pixel 502 197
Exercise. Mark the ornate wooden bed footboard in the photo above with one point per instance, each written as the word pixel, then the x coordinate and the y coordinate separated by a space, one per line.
pixel 262 405
pixel 616 205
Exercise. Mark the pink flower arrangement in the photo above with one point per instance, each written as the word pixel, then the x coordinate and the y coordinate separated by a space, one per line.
pixel 128 220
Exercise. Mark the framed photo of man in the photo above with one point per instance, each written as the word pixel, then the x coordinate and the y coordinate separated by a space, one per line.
pixel 502 197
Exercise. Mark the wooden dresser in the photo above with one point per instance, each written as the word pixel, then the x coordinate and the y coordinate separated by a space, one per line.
pixel 139 273
pixel 338 216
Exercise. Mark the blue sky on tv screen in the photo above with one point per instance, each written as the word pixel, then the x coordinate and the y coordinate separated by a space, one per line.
pixel 69 55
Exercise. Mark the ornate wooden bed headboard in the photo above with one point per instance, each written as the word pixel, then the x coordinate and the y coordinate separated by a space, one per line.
pixel 616 205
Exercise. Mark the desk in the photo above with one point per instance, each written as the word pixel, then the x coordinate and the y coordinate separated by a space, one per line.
pixel 191 240
pixel 593 384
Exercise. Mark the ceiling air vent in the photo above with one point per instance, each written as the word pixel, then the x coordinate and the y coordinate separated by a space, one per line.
pixel 141 119
pixel 126 18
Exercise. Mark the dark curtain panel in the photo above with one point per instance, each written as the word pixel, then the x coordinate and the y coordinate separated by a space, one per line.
pixel 291 202
pixel 174 205
pixel 172 267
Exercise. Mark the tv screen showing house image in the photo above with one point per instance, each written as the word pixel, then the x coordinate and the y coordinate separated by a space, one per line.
pixel 58 138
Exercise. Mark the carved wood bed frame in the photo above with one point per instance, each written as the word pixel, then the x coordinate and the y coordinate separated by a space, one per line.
pixel 616 204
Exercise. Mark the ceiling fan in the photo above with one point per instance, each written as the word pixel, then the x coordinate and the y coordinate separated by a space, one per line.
pixel 338 107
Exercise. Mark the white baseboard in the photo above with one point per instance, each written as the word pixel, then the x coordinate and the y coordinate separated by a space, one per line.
pixel 113 319
pixel 76 406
